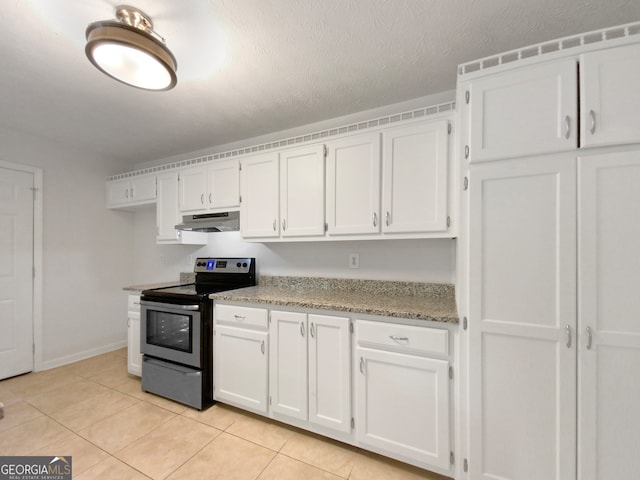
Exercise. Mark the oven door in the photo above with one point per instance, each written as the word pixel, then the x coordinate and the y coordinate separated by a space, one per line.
pixel 171 332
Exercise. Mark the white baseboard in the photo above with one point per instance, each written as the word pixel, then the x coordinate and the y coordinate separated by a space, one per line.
pixel 67 359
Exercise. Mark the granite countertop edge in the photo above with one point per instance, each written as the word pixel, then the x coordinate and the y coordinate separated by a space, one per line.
pixel 416 301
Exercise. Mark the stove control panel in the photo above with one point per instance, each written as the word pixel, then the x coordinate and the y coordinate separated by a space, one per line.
pixel 223 265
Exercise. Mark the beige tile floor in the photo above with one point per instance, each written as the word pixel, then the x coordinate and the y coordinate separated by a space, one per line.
pixel 95 412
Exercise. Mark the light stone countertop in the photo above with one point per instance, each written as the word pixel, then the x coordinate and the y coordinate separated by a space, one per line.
pixel 185 277
pixel 413 300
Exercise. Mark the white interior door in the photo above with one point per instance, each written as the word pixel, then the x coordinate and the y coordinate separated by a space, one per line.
pixel 16 277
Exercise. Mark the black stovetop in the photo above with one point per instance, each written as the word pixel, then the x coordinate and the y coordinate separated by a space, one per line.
pixel 213 275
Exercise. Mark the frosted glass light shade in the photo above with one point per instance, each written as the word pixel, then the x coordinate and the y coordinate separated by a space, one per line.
pixel 130 56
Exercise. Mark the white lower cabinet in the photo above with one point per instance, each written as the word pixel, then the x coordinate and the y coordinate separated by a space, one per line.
pixel 241 357
pixel 403 400
pixel 134 357
pixel 298 367
pixel 310 367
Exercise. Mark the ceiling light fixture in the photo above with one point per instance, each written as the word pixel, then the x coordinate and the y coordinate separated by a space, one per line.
pixel 130 51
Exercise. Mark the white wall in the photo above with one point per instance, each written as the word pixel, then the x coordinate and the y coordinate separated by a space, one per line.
pixel 87 252
pixel 404 260
pixel 407 260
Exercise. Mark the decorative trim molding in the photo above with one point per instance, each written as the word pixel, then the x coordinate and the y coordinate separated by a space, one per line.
pixel 553 46
pixel 355 127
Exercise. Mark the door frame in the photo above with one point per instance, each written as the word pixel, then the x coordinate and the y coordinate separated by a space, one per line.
pixel 38 217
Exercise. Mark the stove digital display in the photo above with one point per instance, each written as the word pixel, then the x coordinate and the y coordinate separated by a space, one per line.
pixel 211 264
pixel 221 264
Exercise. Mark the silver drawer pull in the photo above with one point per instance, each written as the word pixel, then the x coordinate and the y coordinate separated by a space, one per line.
pixel 589 338
pixel 302 329
pixel 239 317
pixel 568 332
pixel 313 331
pixel 361 365
pixel 399 339
pixel 262 347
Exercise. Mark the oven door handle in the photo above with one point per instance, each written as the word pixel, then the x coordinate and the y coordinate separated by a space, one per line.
pixel 145 303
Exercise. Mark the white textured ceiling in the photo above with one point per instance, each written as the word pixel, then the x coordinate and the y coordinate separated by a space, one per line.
pixel 251 67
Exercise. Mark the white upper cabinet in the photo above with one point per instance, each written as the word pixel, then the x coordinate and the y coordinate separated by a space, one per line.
pixel 525 111
pixel 192 189
pixel 131 191
pixel 302 191
pixel 210 188
pixel 353 185
pixel 168 214
pixel 414 173
pixel 260 207
pixel 167 211
pixel 610 96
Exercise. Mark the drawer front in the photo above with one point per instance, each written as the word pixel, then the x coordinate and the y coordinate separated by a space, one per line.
pixel 403 337
pixel 248 316
pixel 134 303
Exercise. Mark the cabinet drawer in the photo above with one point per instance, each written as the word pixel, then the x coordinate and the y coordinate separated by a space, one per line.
pixel 134 303
pixel 249 316
pixel 403 337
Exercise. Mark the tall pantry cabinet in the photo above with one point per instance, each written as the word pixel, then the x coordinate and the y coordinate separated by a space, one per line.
pixel 551 156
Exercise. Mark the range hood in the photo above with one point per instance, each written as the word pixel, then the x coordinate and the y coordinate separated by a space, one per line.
pixel 211 222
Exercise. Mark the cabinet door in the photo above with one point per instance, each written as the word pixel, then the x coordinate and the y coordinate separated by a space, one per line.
pixel 414 178
pixel 223 184
pixel 302 191
pixel 143 189
pixel 610 96
pixel 167 211
pixel 191 189
pixel 522 319
pixel 118 192
pixel 403 405
pixel 241 367
pixel 353 185
pixel 526 111
pixel 288 364
pixel 330 372
pixel 134 358
pixel 259 210
pixel 609 352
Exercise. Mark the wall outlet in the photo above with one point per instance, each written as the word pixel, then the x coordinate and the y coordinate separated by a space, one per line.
pixel 354 260
pixel 189 260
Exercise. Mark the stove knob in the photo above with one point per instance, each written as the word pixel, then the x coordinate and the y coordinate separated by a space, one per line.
pixel 238 264
pixel 244 264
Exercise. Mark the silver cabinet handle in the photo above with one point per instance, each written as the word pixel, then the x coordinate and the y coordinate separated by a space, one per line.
pixel 157 230
pixel 589 338
pixel 284 224
pixel 466 151
pixel 210 199
pixel 126 193
pixel 399 339
pixel 313 331
pixel 567 126
pixel 375 219
pixel 387 219
pixel 178 233
pixel 361 365
pixel 274 224
pixel 302 329
pixel 202 198
pixel 239 317
pixel 262 347
pixel 568 332
pixel 592 117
